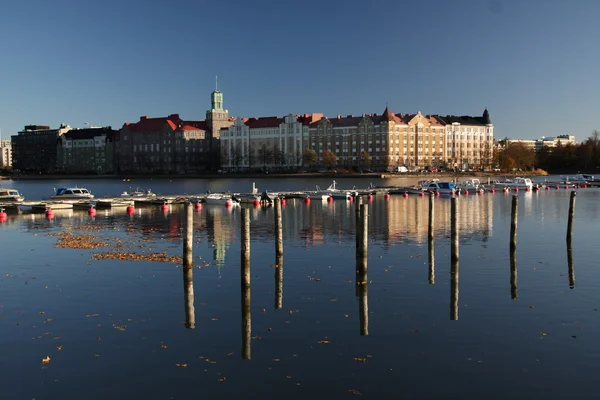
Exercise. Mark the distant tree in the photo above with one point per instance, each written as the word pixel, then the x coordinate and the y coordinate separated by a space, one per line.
pixel 329 159
pixel 310 157
pixel 279 158
pixel 365 158
pixel 265 156
pixel 507 163
pixel 236 156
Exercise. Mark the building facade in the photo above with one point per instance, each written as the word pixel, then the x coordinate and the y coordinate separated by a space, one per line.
pixel 387 141
pixel 274 143
pixel 538 144
pixel 5 154
pixel 89 150
pixel 34 148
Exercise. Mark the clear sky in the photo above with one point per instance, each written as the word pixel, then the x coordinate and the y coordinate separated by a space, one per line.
pixel 534 64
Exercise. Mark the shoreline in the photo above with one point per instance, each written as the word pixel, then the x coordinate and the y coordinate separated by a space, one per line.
pixel 377 175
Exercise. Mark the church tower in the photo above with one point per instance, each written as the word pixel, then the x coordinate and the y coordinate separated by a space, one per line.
pixel 217 117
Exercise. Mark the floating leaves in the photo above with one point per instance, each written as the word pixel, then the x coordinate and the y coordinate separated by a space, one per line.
pixel 181 365
pixel 68 240
pixel 155 257
pixel 46 360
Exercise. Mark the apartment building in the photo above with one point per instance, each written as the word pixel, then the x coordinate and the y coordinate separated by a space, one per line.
pixel 5 154
pixel 34 148
pixel 89 150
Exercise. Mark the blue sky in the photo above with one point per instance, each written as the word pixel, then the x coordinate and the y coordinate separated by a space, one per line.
pixel 534 63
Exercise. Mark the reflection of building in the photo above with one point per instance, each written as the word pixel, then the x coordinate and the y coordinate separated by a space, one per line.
pixel 86 150
pixel 5 154
pixel 219 228
pixel 34 148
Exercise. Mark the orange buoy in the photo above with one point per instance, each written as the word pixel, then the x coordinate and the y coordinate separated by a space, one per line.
pixel 466 192
pixel 228 203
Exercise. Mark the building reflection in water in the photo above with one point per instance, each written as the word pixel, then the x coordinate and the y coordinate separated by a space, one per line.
pixel 188 294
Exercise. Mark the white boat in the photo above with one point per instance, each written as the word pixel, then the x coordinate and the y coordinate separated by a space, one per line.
pixel 10 196
pixel 138 192
pixel 578 178
pixel 72 193
pixel 248 198
pixel 220 199
pixel 448 188
pixel 331 191
pixel 517 183
pixel 471 185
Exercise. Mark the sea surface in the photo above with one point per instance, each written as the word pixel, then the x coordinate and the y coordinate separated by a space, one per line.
pixel 100 307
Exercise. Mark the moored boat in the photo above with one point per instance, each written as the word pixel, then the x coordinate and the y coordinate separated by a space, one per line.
pixel 10 196
pixel 220 199
pixel 448 188
pixel 138 192
pixel 72 193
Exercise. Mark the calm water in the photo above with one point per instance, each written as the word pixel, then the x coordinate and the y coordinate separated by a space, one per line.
pixel 117 329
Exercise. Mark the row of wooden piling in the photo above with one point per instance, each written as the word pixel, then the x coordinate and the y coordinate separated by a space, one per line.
pixel 361 278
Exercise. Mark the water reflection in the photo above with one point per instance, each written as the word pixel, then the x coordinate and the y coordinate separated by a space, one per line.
pixel 188 294
pixel 454 272
pixel 513 275
pixel 279 281
pixel 571 268
pixel 431 258
pixel 246 324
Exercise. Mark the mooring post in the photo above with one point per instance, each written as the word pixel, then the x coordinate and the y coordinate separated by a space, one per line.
pixel 571 268
pixel 514 290
pixel 188 239
pixel 188 294
pixel 453 230
pixel 571 216
pixel 278 229
pixel 431 215
pixel 245 286
pixel 362 247
pixel 357 223
pixel 245 247
pixel 514 213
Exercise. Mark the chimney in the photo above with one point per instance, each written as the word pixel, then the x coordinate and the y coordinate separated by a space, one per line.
pixel 305 115
pixel 174 116
pixel 143 117
pixel 339 116
pixel 349 116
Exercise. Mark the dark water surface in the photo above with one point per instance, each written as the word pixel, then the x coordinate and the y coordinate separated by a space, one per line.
pixel 117 329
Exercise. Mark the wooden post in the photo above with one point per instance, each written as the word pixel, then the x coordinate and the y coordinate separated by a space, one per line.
pixel 188 239
pixel 358 220
pixel 453 231
pixel 278 229
pixel 245 285
pixel 454 270
pixel 188 294
pixel 245 247
pixel 431 263
pixel 364 228
pixel 514 213
pixel 571 216
pixel 278 255
pixel 431 215
pixel 514 290
pixel 571 268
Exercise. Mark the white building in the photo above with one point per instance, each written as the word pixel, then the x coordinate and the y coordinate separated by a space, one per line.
pixel 5 154
pixel 265 143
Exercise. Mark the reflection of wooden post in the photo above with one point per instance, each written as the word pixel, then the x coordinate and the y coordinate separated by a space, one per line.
pixel 188 294
pixel 278 255
pixel 362 247
pixel 279 283
pixel 431 263
pixel 513 275
pixel 571 269
pixel 513 223
pixel 246 324
pixel 571 216
pixel 454 290
pixel 431 211
pixel 188 239
pixel 245 280
pixel 453 231
pixel 363 306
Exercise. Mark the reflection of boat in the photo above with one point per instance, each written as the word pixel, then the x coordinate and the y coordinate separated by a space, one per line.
pixel 138 192
pixel 10 195
pixel 72 193
pixel 441 187
pixel 578 178
pixel 220 199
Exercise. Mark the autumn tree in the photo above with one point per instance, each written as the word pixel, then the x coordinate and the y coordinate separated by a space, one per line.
pixel 278 157
pixel 365 158
pixel 265 156
pixel 310 157
pixel 329 159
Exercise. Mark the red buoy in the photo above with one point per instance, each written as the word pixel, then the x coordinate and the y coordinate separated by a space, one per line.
pixel 405 195
pixel 49 214
pixel 370 197
pixel 422 194
pixel 130 210
pixel 3 216
pixel 466 192
pixel 197 206
pixel 566 187
pixel 437 193
pixel 307 200
pixel 386 196
pixel 517 190
pixel 164 207
pixel 492 190
pixel 547 187
pixel 350 198
pixel 283 202
pixel 504 190
pixel 92 211
pixel 583 185
pixel 256 203
pixel 228 203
